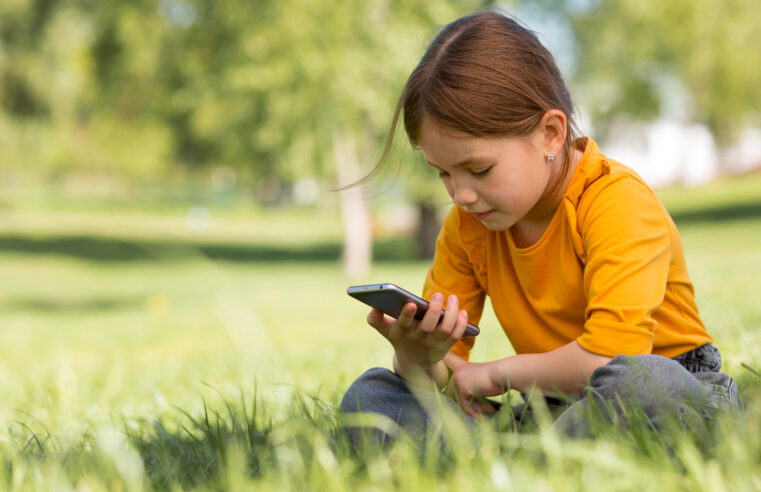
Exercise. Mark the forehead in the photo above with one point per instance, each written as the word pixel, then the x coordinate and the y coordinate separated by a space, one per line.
pixel 432 128
pixel 434 135
pixel 443 146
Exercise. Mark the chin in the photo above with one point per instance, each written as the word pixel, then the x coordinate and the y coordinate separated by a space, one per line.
pixel 495 226
pixel 499 222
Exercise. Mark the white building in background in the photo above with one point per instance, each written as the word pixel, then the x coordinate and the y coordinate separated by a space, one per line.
pixel 664 152
pixel 667 153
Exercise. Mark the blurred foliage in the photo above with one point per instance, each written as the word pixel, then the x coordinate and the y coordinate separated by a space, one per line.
pixel 694 59
pixel 149 89
pixel 143 89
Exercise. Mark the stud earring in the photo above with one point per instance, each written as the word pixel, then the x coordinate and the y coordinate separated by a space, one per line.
pixel 550 157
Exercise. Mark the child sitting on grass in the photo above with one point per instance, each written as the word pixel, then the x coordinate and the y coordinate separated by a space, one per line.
pixel 583 265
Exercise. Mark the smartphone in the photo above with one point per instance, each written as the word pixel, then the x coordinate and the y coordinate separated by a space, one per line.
pixel 390 299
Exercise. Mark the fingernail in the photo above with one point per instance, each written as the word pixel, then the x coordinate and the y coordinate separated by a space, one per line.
pixel 438 296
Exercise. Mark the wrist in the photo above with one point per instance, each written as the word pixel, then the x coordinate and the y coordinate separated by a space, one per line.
pixel 499 374
pixel 422 374
pixel 407 366
pixel 414 359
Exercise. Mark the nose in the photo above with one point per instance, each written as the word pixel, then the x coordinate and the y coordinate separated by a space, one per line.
pixel 463 194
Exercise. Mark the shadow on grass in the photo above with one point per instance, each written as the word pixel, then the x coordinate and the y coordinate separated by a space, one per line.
pixel 197 450
pixel 105 249
pixel 302 447
pixel 71 306
pixel 722 213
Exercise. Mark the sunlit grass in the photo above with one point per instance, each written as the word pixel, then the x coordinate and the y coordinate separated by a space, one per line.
pixel 727 192
pixel 158 371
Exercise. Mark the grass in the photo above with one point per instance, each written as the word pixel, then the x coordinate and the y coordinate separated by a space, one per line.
pixel 138 354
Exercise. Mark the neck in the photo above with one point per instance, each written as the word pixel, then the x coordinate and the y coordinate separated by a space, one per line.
pixel 530 229
pixel 554 193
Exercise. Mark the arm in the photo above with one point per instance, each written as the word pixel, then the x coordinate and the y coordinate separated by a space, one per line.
pixel 626 237
pixel 455 270
pixel 564 370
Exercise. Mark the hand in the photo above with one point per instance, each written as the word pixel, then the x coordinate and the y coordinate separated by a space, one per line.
pixel 423 343
pixel 475 381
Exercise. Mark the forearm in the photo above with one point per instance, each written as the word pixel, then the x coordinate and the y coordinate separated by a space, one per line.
pixel 564 370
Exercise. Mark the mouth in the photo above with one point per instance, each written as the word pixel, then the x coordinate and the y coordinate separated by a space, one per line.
pixel 482 215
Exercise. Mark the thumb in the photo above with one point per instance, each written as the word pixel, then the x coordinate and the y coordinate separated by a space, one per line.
pixel 379 321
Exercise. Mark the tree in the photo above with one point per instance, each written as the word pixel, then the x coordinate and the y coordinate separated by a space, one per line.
pixel 280 89
pixel 333 73
pixel 636 56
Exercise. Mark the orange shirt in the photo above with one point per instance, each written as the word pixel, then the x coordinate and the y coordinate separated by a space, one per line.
pixel 608 272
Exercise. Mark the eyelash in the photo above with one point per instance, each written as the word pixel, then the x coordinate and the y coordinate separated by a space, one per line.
pixel 478 174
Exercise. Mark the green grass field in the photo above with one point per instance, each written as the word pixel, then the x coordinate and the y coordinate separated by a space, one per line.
pixel 137 354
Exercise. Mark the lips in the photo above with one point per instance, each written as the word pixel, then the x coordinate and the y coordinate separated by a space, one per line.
pixel 482 215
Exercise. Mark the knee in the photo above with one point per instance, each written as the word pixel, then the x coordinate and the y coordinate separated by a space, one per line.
pixel 650 381
pixel 363 394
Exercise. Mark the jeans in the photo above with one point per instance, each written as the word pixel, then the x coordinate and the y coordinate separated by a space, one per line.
pixel 685 388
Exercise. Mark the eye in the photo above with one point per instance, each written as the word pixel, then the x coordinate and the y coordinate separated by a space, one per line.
pixel 481 174
pixel 443 174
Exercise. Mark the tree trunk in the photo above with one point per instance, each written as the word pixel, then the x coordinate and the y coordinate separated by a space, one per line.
pixel 357 240
pixel 428 230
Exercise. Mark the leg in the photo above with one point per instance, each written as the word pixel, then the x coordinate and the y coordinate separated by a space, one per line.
pixel 655 386
pixel 390 406
pixel 723 394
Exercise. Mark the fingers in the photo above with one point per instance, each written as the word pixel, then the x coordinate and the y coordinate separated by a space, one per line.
pixel 431 318
pixel 461 325
pixel 406 321
pixel 449 320
pixel 379 321
pixel 454 322
pixel 471 390
pixel 406 317
pixel 474 405
pixel 450 326
pixel 476 408
pixel 484 406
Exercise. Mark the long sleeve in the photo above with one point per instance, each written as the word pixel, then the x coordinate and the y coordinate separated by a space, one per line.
pixel 627 241
pixel 453 272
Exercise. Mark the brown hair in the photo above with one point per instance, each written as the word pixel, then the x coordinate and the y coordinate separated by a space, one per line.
pixel 484 75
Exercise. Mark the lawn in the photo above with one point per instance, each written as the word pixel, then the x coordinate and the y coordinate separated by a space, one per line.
pixel 139 354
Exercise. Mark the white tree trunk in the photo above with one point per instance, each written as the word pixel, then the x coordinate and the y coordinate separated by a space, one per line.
pixel 357 247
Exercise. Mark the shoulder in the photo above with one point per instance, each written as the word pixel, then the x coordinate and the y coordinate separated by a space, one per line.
pixel 621 194
pixel 464 237
pixel 606 186
pixel 463 226
pixel 609 203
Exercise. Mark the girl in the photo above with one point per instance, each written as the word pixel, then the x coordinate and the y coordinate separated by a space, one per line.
pixel 583 265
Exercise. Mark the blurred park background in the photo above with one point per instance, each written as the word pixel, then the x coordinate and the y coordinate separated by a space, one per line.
pixel 168 213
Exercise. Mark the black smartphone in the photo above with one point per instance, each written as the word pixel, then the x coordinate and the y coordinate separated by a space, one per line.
pixel 390 299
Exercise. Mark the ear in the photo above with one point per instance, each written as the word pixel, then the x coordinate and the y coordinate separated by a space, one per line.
pixel 552 131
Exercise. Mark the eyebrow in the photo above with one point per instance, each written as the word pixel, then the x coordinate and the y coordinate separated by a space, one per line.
pixel 465 162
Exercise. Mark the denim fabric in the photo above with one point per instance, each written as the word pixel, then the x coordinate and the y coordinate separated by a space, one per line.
pixel 705 363
pixel 685 388
pixel 414 412
pixel 705 358
pixel 663 388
